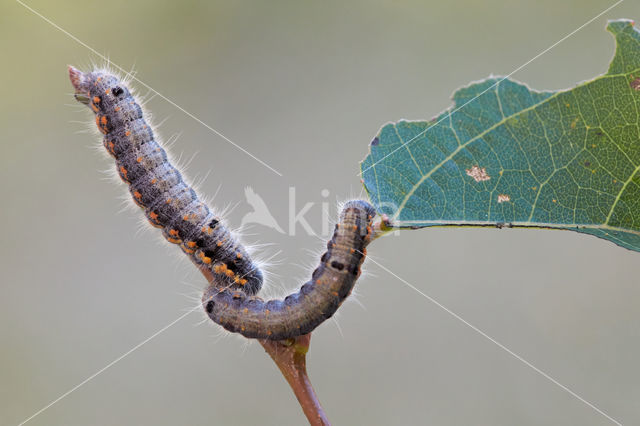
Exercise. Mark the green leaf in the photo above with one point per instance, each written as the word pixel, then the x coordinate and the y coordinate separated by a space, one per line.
pixel 508 154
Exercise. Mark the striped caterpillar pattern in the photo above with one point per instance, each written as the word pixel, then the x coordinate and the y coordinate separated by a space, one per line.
pixel 171 204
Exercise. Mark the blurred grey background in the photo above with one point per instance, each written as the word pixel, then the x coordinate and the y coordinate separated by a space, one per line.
pixel 303 86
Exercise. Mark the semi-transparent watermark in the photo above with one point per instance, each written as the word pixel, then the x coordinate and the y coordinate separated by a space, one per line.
pixel 297 215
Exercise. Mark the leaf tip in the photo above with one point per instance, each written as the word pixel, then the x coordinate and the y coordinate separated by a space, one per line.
pixel 627 38
pixel 616 26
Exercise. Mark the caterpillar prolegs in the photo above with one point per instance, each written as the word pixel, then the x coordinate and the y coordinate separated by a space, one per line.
pixel 171 204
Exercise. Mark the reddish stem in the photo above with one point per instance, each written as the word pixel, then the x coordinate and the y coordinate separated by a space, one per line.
pixel 291 358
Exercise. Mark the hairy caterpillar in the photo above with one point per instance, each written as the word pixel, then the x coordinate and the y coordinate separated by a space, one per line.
pixel 171 204
pixel 156 186
pixel 301 312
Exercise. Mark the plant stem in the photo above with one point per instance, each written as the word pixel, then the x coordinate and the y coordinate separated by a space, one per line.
pixel 291 358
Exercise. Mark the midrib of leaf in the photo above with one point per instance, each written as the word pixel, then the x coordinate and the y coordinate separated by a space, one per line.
pixel 515 224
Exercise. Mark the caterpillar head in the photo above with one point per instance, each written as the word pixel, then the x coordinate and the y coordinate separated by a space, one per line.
pixel 98 90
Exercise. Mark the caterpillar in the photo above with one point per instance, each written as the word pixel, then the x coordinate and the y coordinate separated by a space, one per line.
pixel 157 186
pixel 317 300
pixel 171 204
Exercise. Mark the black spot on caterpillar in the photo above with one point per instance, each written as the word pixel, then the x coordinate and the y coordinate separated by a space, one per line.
pixel 158 187
pixel 317 300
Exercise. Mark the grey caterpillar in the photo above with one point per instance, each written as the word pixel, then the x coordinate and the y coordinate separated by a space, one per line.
pixel 317 300
pixel 157 186
pixel 171 204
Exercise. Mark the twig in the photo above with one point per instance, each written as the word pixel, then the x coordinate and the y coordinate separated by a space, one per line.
pixel 290 356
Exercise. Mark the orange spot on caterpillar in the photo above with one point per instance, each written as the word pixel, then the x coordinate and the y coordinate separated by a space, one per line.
pixel 106 92
pixel 153 220
pixel 239 255
pixel 185 217
pixel 245 310
pixel 127 133
pixel 96 99
pixel 153 181
pixel 123 171
pixel 205 259
pixel 243 281
pixel 335 293
pixel 139 159
pixel 191 244
pixel 219 243
pixel 116 109
pixel 230 273
pixel 137 195
pixel 103 120
pixel 94 107
pixel 173 232
pixel 174 240
pixel 168 201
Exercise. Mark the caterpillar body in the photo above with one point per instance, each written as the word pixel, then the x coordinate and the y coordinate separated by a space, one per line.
pixel 317 300
pixel 158 187
pixel 171 204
